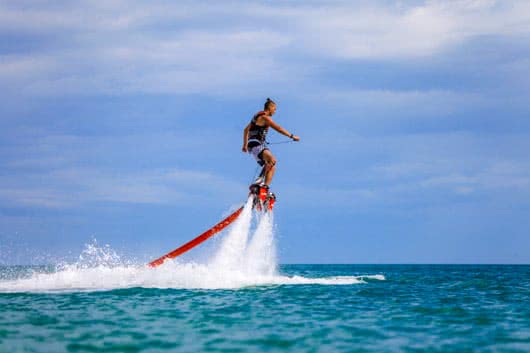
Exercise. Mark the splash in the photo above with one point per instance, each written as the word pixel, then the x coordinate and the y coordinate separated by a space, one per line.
pixel 245 257
pixel 231 253
pixel 97 256
pixel 260 256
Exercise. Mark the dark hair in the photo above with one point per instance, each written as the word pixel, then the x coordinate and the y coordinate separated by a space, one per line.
pixel 268 103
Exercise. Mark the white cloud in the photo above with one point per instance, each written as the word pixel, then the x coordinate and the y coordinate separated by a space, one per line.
pixel 159 47
pixel 395 30
pixel 189 62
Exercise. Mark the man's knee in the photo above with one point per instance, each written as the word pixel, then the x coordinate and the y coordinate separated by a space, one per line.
pixel 270 159
pixel 270 166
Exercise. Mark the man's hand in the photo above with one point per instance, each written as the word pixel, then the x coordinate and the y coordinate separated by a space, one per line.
pixel 296 138
pixel 244 149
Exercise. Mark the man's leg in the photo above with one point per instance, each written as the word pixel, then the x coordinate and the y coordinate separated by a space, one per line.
pixel 270 165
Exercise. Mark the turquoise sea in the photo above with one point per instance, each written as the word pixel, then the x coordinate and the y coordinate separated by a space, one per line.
pixel 388 308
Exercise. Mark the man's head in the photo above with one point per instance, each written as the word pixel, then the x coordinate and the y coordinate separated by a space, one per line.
pixel 270 106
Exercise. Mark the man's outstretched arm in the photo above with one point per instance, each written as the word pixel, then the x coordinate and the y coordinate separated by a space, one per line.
pixel 281 130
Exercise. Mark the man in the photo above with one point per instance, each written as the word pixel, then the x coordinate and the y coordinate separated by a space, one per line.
pixel 254 141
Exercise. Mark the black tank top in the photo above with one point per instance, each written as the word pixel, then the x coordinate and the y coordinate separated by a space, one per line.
pixel 257 132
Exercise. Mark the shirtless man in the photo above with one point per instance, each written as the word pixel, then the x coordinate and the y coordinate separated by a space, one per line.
pixel 254 140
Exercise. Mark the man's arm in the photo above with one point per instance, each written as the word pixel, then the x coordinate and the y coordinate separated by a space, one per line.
pixel 245 138
pixel 280 129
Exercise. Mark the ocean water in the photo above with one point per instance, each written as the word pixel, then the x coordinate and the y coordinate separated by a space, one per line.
pixel 240 300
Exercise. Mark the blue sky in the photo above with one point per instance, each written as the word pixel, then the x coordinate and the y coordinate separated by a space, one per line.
pixel 122 121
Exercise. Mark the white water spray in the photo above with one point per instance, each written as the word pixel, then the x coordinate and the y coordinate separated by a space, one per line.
pixel 260 255
pixel 242 260
pixel 232 251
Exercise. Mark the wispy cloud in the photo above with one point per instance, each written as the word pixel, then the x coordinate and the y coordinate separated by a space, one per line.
pixel 414 171
pixel 413 186
pixel 396 30
pixel 65 171
pixel 77 187
pixel 429 104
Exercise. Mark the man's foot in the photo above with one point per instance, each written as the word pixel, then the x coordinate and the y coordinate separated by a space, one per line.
pixel 259 190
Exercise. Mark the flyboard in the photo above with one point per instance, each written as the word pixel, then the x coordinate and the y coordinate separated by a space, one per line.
pixel 263 200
